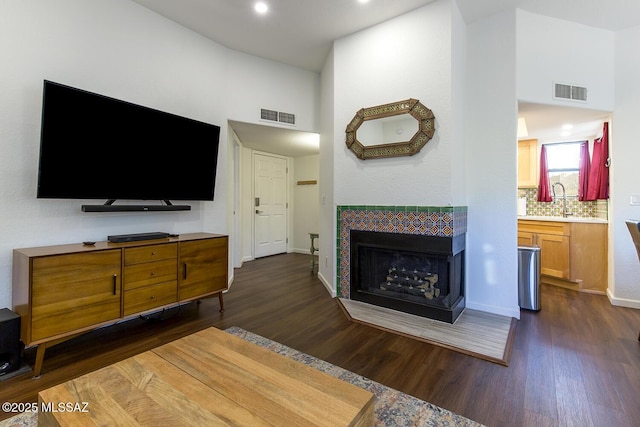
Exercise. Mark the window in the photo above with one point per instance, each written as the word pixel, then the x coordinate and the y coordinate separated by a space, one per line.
pixel 563 160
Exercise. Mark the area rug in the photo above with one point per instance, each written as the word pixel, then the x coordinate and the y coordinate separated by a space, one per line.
pixel 476 333
pixel 392 408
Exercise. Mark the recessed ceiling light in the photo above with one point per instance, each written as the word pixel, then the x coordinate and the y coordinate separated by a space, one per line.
pixel 261 7
pixel 363 1
pixel 568 126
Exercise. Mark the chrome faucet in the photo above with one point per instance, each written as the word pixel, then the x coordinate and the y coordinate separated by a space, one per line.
pixel 564 198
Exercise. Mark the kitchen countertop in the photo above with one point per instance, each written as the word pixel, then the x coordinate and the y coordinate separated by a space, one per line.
pixel 563 219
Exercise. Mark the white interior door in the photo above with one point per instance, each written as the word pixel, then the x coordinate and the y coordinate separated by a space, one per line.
pixel 270 192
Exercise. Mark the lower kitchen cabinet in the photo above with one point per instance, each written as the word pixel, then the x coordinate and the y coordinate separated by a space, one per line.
pixel 572 254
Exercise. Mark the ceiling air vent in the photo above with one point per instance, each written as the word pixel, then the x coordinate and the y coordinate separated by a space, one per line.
pixel 268 115
pixel 287 118
pixel 573 93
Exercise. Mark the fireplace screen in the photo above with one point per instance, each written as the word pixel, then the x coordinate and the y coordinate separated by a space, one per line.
pixel 416 274
pixel 416 277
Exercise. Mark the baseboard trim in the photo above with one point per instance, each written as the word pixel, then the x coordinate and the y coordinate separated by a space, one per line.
pixel 327 285
pixel 561 283
pixel 622 302
pixel 501 311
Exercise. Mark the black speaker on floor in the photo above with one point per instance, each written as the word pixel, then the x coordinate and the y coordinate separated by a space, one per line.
pixel 10 344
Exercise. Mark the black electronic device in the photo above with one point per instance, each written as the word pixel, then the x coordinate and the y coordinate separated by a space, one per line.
pixel 122 238
pixel 10 344
pixel 127 152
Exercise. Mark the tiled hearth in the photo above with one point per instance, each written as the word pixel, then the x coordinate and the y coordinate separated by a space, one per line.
pixel 439 221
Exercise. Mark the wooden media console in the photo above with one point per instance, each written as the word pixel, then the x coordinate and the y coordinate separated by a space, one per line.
pixel 64 290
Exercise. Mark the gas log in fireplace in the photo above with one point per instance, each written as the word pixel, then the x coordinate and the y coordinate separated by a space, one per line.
pixel 417 274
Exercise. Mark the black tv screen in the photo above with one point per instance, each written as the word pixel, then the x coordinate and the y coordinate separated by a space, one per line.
pixel 96 147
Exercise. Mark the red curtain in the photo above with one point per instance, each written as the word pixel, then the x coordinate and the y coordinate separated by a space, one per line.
pixel 544 189
pixel 583 175
pixel 598 187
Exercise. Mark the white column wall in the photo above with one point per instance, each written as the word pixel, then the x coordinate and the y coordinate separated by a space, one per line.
pixel 624 286
pixel 491 116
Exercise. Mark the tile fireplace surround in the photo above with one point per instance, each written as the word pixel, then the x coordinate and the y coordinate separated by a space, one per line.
pixel 440 221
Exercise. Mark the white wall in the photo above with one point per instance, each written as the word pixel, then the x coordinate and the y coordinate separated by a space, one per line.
pixel 491 116
pixel 459 69
pixel 551 51
pixel 123 50
pixel 256 83
pixel 624 179
pixel 306 203
pixel 406 57
pixel 327 221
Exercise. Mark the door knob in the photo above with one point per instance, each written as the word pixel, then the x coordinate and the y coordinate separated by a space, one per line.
pixel 258 211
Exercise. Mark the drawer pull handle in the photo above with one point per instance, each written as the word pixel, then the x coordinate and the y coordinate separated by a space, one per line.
pixel 115 280
pixel 184 272
pixel 153 253
pixel 153 273
pixel 153 297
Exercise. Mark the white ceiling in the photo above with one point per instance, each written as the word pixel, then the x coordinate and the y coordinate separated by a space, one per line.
pixel 295 32
pixel 301 32
pixel 545 122
pixel 284 141
pixel 607 14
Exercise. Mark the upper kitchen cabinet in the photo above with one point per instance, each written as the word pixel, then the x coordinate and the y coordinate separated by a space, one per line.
pixel 528 163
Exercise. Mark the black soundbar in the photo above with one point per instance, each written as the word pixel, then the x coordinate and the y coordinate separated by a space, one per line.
pixel 134 208
pixel 121 238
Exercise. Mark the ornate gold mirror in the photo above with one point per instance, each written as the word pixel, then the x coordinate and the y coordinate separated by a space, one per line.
pixel 386 130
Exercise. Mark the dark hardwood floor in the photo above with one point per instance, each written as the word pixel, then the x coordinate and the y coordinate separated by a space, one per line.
pixel 576 362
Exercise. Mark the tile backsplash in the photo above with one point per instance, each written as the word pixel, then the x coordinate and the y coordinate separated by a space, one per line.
pixel 591 209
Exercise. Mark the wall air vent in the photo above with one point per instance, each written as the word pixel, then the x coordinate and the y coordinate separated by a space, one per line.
pixel 287 118
pixel 277 116
pixel 570 92
pixel 268 115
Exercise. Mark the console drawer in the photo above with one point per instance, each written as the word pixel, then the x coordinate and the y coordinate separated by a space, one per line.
pixel 149 297
pixel 149 273
pixel 150 253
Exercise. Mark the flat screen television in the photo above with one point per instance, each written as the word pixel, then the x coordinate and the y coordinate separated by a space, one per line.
pixel 96 147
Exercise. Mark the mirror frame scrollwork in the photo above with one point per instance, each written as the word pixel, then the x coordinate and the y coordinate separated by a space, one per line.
pixel 413 107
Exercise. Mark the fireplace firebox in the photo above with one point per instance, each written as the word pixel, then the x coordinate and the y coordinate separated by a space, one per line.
pixel 417 274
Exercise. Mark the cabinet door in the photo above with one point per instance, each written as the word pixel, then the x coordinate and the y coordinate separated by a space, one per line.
pixel 589 261
pixel 528 163
pixel 554 255
pixel 525 238
pixel 74 291
pixel 203 267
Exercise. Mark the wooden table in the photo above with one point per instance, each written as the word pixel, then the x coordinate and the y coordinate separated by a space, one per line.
pixel 208 378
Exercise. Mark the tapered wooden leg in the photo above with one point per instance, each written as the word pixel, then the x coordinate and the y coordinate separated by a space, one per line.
pixel 37 368
pixel 221 302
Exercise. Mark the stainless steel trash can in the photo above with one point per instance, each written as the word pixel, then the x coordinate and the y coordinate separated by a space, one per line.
pixel 529 277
